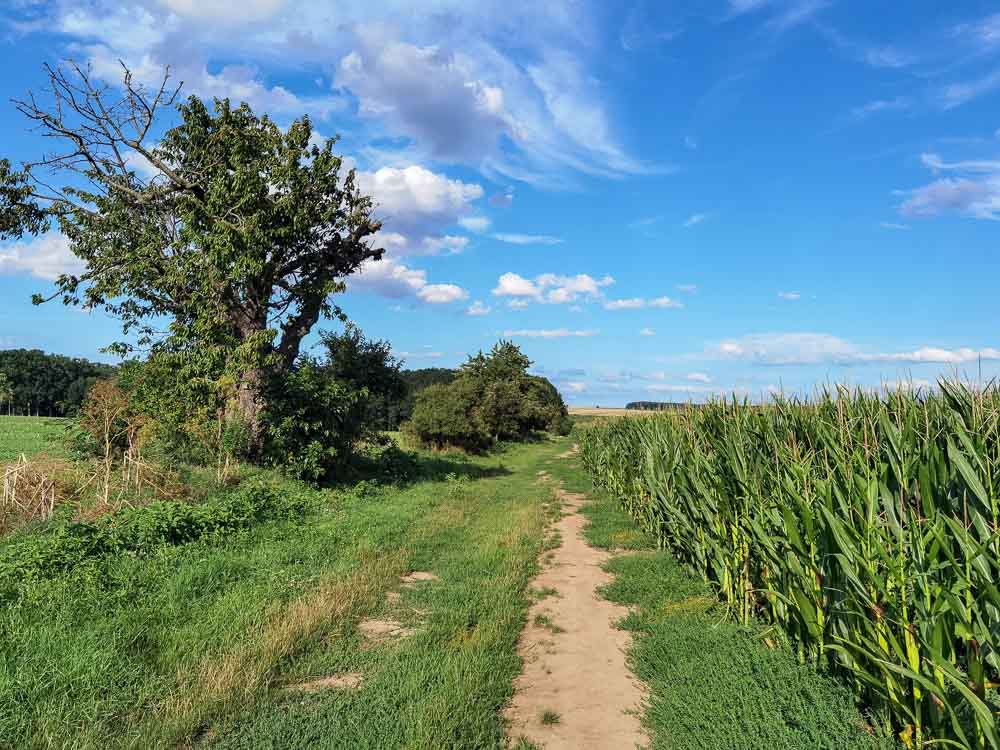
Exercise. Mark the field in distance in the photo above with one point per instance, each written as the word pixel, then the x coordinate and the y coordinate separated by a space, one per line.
pixel 611 411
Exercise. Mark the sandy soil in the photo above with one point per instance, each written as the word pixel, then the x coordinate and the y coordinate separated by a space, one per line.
pixel 574 656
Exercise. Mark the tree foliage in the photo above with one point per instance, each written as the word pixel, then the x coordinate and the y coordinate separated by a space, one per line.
pixel 492 398
pixel 235 231
pixel 47 384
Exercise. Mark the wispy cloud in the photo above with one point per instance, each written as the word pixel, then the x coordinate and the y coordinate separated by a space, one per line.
pixel 974 192
pixel 548 333
pixel 790 296
pixel 687 288
pixel 477 308
pixel 895 226
pixel 647 332
pixel 638 303
pixel 527 239
pixel 695 219
pixel 818 348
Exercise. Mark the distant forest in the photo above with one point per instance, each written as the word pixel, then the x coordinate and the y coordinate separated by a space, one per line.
pixel 52 385
pixel 49 385
pixel 656 405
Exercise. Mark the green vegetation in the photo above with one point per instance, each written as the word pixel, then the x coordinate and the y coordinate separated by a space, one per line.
pixel 33 382
pixel 217 622
pixel 30 435
pixel 865 529
pixel 550 718
pixel 713 683
pixel 493 398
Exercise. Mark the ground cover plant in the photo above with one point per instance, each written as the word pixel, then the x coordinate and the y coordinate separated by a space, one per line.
pixel 864 527
pixel 207 622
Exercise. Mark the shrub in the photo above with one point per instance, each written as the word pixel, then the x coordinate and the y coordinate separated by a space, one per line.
pixel 492 399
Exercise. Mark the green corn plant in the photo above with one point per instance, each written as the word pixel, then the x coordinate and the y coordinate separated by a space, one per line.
pixel 867 527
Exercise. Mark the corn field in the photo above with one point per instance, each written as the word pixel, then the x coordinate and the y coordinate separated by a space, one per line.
pixel 865 527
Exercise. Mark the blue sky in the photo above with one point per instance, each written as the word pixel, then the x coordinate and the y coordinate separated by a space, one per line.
pixel 657 200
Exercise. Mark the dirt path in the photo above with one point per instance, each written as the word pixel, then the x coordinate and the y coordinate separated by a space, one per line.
pixel 576 692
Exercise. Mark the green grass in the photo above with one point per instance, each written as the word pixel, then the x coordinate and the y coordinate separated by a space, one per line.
pixel 713 684
pixel 30 435
pixel 197 642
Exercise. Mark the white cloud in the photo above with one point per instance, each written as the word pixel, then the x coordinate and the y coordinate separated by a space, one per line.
pixel 790 296
pixel 698 377
pixel 477 308
pixel 475 223
pixel 390 278
pixel 45 257
pixel 963 92
pixel 551 288
pixel 527 239
pixel 647 332
pixel 865 111
pixel 695 219
pixel 421 355
pixel 555 333
pixel 894 226
pixel 518 304
pixel 975 193
pixel 637 303
pixel 575 386
pixel 816 348
pixel 223 10
pixel 442 294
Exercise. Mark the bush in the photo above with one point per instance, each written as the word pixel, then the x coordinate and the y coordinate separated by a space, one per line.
pixel 492 399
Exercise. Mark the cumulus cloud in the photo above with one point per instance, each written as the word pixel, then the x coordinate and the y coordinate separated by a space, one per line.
pixel 46 257
pixel 390 278
pixel 575 386
pixel 974 191
pixel 553 333
pixel 551 288
pixel 416 206
pixel 477 308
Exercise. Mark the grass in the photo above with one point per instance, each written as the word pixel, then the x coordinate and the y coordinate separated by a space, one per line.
pixel 30 435
pixel 713 683
pixel 550 718
pixel 196 643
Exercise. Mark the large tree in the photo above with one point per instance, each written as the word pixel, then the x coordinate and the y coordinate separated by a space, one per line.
pixel 233 231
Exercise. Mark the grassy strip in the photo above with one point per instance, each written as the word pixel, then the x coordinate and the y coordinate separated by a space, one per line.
pixel 713 683
pixel 30 435
pixel 444 685
pixel 192 642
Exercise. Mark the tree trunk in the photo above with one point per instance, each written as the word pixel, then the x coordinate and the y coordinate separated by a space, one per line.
pixel 246 411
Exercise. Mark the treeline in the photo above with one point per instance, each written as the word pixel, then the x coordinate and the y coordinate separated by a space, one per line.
pixel 50 385
pixel 655 405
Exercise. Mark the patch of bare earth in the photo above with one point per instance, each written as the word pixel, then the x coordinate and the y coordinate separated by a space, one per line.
pixel 571 452
pixel 345 681
pixel 574 656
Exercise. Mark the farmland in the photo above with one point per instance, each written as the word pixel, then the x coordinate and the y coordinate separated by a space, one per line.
pixel 375 615
pixel 864 529
pixel 29 435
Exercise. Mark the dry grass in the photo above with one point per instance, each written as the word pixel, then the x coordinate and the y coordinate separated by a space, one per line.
pixel 224 683
pixel 33 487
pixel 614 411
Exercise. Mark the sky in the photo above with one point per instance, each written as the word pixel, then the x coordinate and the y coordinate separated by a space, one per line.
pixel 662 201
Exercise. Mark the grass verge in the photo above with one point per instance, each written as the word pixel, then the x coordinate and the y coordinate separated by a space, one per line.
pixel 202 640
